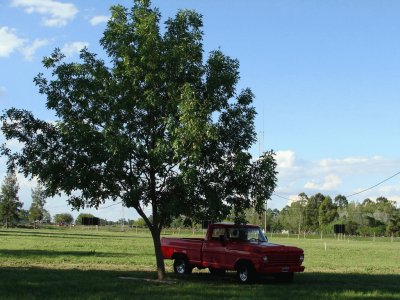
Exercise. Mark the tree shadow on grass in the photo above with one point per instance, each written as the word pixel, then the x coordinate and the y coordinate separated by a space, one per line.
pixel 40 283
pixel 68 235
pixel 53 254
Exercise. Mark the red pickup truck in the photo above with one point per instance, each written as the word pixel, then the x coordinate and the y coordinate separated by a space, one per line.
pixel 243 248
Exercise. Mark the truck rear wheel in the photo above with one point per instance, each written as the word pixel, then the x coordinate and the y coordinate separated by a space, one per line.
pixel 246 272
pixel 182 266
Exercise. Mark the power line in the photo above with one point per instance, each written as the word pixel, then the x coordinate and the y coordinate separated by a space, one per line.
pixel 279 196
pixel 109 205
pixel 282 197
pixel 347 196
pixel 370 188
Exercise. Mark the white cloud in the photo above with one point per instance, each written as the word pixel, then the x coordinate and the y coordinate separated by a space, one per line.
pixel 73 48
pixel 98 20
pixel 350 163
pixel 26 183
pixel 9 41
pixel 285 159
pixel 55 14
pixel 330 182
pixel 31 49
pixel 335 176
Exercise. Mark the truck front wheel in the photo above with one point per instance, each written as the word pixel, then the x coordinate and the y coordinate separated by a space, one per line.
pixel 182 266
pixel 246 272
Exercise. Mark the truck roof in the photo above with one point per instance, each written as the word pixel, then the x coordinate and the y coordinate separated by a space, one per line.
pixel 229 224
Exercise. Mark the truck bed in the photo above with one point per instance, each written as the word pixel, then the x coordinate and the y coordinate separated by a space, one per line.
pixel 191 247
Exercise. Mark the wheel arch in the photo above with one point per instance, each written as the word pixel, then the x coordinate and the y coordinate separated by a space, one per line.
pixel 179 255
pixel 244 261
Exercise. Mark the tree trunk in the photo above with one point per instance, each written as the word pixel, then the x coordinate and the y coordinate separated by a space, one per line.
pixel 159 257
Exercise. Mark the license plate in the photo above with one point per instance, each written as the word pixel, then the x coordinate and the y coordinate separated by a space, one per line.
pixel 285 269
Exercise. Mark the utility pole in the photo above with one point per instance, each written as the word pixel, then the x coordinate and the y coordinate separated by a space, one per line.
pixel 260 152
pixel 265 217
pixel 123 217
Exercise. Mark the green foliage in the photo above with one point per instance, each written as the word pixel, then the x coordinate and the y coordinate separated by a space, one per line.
pixel 78 220
pixel 319 213
pixel 341 201
pixel 37 211
pixel 9 201
pixel 156 127
pixel 64 218
pixel 23 216
pixel 140 223
pixel 327 212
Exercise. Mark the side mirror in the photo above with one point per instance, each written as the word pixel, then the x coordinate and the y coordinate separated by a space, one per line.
pixel 266 238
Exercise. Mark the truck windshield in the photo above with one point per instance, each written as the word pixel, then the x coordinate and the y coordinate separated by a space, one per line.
pixel 246 234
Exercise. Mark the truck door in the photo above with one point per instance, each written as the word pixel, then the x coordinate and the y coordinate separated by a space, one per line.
pixel 214 249
pixel 234 248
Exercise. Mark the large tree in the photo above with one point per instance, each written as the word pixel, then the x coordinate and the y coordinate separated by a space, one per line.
pixel 10 204
pixel 155 127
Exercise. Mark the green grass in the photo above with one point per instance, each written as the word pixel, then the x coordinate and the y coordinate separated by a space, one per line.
pixel 73 263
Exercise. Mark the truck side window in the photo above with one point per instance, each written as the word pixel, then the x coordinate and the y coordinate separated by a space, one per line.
pixel 233 233
pixel 217 232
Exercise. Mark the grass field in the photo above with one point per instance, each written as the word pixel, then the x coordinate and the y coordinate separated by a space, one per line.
pixel 64 263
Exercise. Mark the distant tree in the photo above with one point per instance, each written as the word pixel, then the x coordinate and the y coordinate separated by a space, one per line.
pixel 123 221
pixel 327 212
pixel 368 206
pixel 140 223
pixel 64 218
pixel 384 209
pixel 78 220
pixel 179 222
pixel 393 226
pixel 291 217
pixel 341 201
pixel 37 211
pixel 46 216
pixel 23 216
pixel 9 201
pixel 312 211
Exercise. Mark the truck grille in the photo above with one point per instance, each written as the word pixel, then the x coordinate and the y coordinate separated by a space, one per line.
pixel 281 259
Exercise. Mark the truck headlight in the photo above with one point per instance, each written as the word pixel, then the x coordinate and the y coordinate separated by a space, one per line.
pixel 301 258
pixel 265 259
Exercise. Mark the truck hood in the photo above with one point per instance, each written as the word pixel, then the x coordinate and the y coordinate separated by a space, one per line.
pixel 271 248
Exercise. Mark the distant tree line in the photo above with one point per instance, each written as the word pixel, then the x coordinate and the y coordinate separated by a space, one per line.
pixel 310 214
pixel 319 213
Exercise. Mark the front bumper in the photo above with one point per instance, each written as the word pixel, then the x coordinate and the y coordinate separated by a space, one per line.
pixel 265 269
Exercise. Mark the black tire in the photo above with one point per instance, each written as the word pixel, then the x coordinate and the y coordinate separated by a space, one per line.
pixel 217 272
pixel 182 266
pixel 285 277
pixel 245 272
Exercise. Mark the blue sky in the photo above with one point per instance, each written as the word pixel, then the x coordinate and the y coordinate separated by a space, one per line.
pixel 326 75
